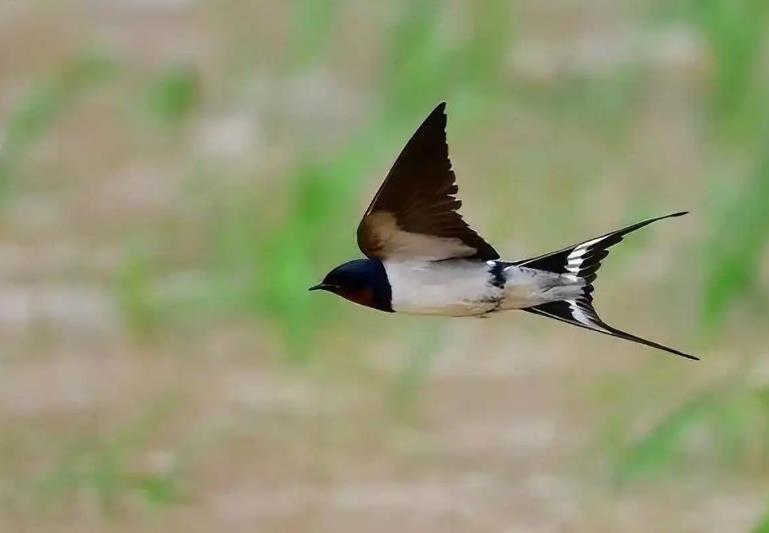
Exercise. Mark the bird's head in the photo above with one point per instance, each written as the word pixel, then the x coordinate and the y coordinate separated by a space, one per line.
pixel 363 281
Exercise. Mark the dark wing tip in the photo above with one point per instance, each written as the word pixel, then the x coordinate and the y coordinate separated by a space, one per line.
pixel 440 110
pixel 433 127
pixel 678 214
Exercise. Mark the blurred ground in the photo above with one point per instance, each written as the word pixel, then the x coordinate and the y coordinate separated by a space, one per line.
pixel 175 174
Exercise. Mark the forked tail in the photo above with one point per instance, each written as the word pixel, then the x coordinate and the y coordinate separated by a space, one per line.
pixel 583 261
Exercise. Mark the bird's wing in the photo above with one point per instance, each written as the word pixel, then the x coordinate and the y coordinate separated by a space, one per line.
pixel 414 215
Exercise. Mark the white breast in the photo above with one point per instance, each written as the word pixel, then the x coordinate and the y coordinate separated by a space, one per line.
pixel 450 288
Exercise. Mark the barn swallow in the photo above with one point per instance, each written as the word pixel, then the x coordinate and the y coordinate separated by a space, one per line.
pixel 423 258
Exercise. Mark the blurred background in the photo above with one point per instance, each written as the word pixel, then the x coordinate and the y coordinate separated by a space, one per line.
pixel 174 174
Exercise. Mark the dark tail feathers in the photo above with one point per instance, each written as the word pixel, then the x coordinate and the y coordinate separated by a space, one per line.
pixel 582 261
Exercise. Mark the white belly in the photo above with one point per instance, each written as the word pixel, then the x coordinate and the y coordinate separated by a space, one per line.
pixel 526 287
pixel 466 288
pixel 450 288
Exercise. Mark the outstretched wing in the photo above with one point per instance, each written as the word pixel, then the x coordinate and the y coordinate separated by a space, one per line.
pixel 414 215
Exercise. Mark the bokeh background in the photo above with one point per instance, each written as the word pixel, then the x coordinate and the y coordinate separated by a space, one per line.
pixel 174 174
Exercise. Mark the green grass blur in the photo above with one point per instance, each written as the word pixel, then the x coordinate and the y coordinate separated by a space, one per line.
pixel 174 175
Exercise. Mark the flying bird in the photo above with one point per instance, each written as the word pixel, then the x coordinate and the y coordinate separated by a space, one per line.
pixel 423 258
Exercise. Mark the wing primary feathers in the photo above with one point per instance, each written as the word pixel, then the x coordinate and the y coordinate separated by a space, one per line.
pixel 415 212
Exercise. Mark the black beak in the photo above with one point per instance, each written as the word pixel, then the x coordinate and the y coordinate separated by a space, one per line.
pixel 321 287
